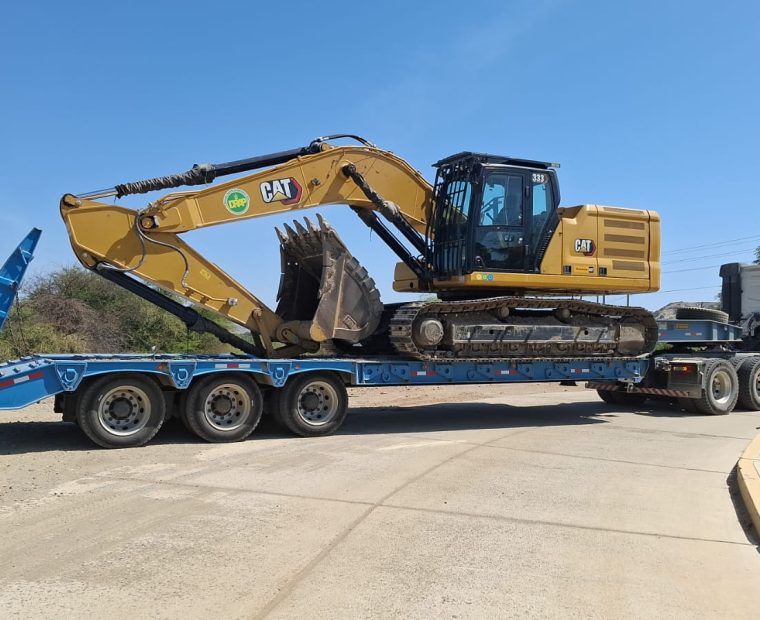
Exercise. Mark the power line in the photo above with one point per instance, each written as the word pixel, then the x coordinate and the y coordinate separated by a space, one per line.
pixel 694 258
pixel 709 245
pixel 690 269
pixel 696 288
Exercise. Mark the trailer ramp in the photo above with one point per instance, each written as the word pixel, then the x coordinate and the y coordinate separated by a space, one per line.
pixel 13 271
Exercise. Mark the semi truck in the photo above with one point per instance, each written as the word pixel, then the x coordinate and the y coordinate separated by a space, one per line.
pixel 708 360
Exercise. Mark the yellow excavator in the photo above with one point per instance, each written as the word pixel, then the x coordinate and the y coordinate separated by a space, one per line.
pixel 507 264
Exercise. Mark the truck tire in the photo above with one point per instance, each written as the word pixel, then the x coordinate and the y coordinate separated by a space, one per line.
pixel 312 404
pixel 224 408
pixel 749 383
pixel 721 388
pixel 701 314
pixel 275 410
pixel 123 411
pixel 619 397
pixel 608 396
pixel 632 399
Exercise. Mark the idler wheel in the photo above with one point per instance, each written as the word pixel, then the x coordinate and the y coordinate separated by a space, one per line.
pixel 428 333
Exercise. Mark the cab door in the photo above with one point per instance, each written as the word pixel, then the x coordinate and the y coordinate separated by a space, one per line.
pixel 503 225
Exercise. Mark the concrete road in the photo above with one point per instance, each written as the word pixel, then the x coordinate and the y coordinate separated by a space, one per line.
pixel 518 501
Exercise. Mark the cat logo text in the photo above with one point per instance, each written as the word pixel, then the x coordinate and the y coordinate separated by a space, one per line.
pixel 587 247
pixel 287 191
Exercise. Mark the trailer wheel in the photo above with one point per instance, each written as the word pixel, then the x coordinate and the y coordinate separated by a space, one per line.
pixel 223 408
pixel 618 397
pixel 721 388
pixel 749 383
pixel 182 407
pixel 608 396
pixel 630 398
pixel 121 411
pixel 275 411
pixel 312 404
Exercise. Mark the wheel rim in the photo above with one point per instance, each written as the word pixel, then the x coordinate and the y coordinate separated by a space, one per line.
pixel 318 403
pixel 756 384
pixel 720 387
pixel 227 407
pixel 124 410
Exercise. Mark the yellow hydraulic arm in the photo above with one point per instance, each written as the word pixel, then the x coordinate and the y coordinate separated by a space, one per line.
pixel 146 243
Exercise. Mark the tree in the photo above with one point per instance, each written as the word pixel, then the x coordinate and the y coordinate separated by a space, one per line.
pixel 72 310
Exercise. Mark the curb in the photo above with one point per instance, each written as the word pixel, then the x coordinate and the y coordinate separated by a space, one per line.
pixel 749 480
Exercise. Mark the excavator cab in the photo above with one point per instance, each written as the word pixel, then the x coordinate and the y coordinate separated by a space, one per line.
pixel 492 213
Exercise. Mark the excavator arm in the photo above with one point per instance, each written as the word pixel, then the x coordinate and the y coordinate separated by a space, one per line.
pixel 134 247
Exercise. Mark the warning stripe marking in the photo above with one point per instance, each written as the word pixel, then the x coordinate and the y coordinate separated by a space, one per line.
pixel 642 390
pixel 23 379
pixel 232 365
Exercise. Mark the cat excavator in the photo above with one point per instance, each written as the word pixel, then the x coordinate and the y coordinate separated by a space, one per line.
pixel 505 265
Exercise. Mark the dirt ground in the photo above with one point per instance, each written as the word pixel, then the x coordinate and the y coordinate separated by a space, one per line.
pixel 37 439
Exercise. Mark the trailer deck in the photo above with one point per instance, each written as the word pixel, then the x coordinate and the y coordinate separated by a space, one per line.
pixel 34 378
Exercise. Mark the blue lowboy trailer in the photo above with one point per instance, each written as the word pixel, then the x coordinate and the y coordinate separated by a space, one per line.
pixel 121 400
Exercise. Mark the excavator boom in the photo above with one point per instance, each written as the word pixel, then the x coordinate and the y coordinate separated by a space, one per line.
pixel 343 301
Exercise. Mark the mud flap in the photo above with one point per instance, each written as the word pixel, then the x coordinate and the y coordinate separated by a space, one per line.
pixel 324 292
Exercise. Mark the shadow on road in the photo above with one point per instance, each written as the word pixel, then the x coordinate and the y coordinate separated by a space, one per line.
pixel 21 437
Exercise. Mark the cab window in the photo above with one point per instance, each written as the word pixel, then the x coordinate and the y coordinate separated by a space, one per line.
pixel 502 201
pixel 541 202
pixel 500 239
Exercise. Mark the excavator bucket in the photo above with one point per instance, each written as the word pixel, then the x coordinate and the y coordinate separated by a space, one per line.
pixel 324 291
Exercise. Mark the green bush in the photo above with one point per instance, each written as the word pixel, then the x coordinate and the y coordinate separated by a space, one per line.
pixel 72 310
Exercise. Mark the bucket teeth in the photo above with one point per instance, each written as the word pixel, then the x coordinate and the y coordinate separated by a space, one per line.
pixel 292 235
pixel 304 239
pixel 323 225
pixel 299 227
pixel 310 225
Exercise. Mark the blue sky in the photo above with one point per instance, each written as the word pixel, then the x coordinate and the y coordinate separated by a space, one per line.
pixel 646 104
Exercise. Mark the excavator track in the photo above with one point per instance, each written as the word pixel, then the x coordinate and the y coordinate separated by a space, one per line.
pixel 514 327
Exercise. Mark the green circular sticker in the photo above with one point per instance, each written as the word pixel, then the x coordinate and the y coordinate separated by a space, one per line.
pixel 237 201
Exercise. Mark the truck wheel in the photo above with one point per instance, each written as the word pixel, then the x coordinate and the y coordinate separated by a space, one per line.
pixel 121 411
pixel 223 409
pixel 721 388
pixel 749 383
pixel 275 411
pixel 618 397
pixel 630 398
pixel 608 396
pixel 313 404
pixel 701 314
